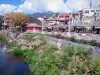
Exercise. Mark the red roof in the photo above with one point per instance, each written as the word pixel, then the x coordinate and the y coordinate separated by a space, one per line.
pixel 64 15
pixel 32 25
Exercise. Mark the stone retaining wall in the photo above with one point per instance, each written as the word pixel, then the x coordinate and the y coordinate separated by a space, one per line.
pixel 60 43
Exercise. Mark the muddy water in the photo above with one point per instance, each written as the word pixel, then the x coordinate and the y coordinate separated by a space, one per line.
pixel 10 64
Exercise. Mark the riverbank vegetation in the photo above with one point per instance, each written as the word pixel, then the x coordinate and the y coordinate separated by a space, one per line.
pixel 4 39
pixel 44 58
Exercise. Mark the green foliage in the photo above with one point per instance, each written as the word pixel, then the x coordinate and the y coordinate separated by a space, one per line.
pixel 84 29
pixel 83 41
pixel 4 39
pixel 96 67
pixel 63 61
pixel 72 39
pixel 73 60
pixel 47 65
pixel 78 59
pixel 49 47
pixel 17 51
pixel 12 45
pixel 30 56
pixel 93 42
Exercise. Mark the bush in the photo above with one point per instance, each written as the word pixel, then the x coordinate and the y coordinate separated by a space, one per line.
pixel 98 44
pixel 93 43
pixel 79 59
pixel 83 41
pixel 50 47
pixel 73 39
pixel 17 51
pixel 46 66
pixel 96 67
pixel 12 45
pixel 30 56
pixel 4 39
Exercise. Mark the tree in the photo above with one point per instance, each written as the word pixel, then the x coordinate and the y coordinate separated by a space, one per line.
pixel 16 18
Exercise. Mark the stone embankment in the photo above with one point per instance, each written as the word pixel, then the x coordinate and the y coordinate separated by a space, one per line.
pixel 11 36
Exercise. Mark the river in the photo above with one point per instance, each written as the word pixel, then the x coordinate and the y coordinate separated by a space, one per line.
pixel 10 64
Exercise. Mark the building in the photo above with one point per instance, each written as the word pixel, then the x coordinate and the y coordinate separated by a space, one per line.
pixel 33 28
pixel 7 22
pixel 1 21
pixel 86 18
pixel 64 18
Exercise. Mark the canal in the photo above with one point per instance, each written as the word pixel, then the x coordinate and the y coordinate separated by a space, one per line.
pixel 10 64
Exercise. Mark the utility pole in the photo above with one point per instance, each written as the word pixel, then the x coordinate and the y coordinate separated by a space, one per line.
pixel 69 35
pixel 90 4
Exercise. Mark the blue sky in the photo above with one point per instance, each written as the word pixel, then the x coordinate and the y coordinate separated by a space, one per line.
pixel 32 6
pixel 12 2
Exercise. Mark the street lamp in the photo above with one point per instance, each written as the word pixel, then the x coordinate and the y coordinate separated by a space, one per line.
pixel 42 21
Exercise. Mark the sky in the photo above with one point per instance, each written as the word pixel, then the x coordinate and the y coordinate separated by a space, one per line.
pixel 33 6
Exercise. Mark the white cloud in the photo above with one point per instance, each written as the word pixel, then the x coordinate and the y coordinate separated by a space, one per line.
pixel 96 3
pixel 32 6
pixel 77 4
pixel 6 8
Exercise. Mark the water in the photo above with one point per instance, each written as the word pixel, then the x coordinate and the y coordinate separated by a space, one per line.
pixel 10 64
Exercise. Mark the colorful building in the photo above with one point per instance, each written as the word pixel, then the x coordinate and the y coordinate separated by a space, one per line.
pixel 33 28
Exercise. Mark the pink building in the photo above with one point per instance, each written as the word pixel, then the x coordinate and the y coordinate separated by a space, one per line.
pixel 33 28
pixel 64 17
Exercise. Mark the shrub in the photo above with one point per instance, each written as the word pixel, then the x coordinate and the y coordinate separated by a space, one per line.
pixel 49 47
pixel 73 39
pixel 84 29
pixel 98 44
pixel 96 67
pixel 46 66
pixel 31 56
pixel 12 45
pixel 79 59
pixel 4 39
pixel 83 41
pixel 92 42
pixel 17 51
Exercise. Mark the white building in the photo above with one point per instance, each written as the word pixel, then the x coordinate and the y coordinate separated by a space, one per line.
pixel 89 15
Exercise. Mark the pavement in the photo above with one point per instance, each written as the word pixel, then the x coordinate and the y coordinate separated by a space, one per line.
pixel 89 37
pixel 79 36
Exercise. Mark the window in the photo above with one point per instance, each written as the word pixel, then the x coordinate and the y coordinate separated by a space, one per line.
pixel 61 16
pixel 86 11
pixel 92 10
pixel 97 10
pixel 66 16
